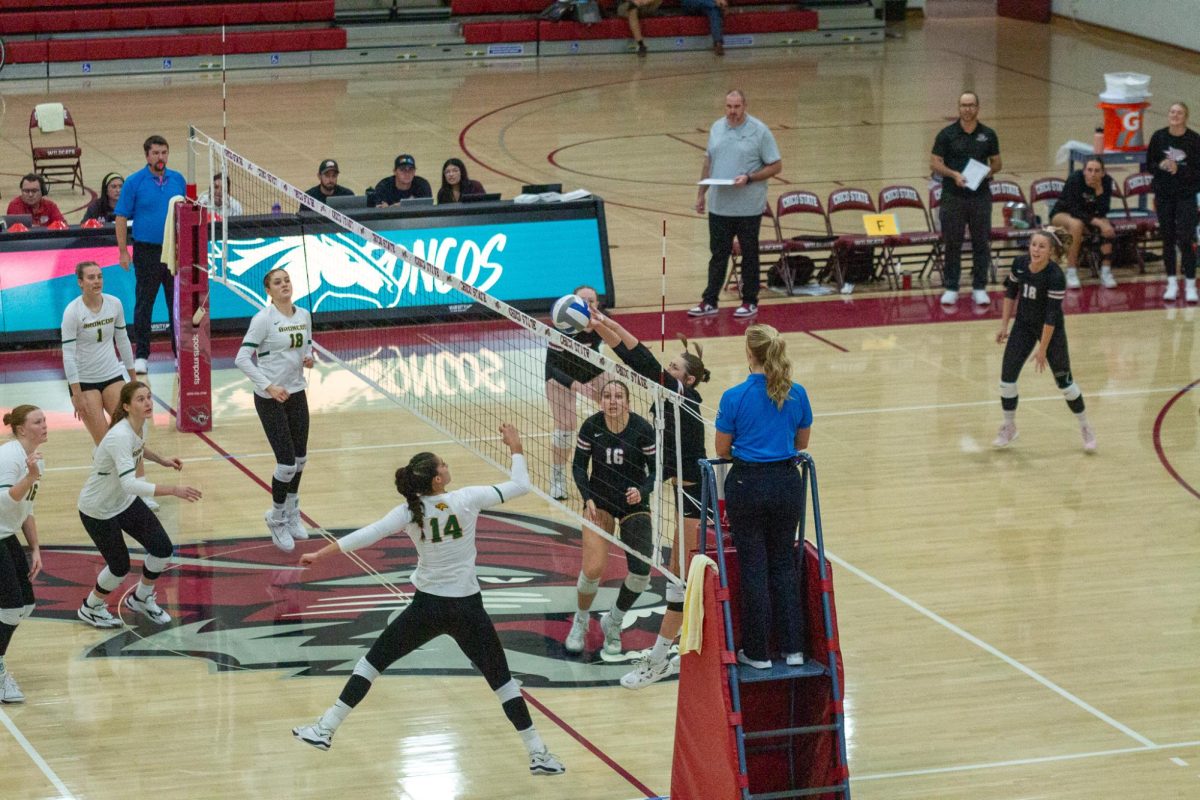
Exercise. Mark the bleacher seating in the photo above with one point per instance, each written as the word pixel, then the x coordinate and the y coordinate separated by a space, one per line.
pixel 54 30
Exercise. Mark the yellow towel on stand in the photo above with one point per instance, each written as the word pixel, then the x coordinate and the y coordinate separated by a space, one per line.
pixel 692 634
pixel 169 256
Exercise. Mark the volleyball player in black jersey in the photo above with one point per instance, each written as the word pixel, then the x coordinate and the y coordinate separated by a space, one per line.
pixel 682 374
pixel 567 375
pixel 1036 286
pixel 620 448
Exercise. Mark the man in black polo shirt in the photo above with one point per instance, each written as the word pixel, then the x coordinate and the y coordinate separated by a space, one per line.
pixel 327 174
pixel 403 184
pixel 962 207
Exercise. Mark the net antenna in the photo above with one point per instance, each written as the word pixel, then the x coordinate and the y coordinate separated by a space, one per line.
pixel 419 326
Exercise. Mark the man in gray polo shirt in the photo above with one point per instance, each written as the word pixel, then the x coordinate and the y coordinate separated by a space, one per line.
pixel 741 149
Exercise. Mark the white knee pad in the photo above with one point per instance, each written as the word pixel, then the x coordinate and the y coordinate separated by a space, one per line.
pixel 1071 391
pixel 27 611
pixel 675 592
pixel 509 691
pixel 637 583
pixel 364 669
pixel 107 581
pixel 300 462
pixel 10 616
pixel 284 472
pixel 586 585
pixel 1008 390
pixel 562 440
pixel 155 563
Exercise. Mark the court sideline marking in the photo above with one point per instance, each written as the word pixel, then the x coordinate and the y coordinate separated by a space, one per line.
pixel 991 650
pixel 36 757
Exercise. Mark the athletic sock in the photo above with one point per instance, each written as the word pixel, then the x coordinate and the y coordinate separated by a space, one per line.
pixel 3 666
pixel 94 600
pixel 532 739
pixel 1082 417
pixel 335 716
pixel 1010 417
pixel 142 591
pixel 662 646
pixel 582 615
pixel 617 614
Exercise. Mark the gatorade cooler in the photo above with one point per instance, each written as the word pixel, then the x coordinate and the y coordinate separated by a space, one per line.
pixel 1123 102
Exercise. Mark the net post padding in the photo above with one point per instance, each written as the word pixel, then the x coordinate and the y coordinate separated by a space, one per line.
pixel 478 444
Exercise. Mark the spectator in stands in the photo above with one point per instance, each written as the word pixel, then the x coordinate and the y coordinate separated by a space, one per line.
pixel 403 184
pixel 742 149
pixel 964 140
pixel 145 198
pixel 327 175
pixel 213 202
pixel 715 11
pixel 633 10
pixel 1083 206
pixel 1174 158
pixel 33 202
pixel 104 207
pixel 455 182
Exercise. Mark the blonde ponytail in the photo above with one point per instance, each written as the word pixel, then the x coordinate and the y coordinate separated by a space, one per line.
pixel 770 350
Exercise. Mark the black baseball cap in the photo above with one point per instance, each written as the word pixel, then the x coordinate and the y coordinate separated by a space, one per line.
pixel 326 165
pixel 405 160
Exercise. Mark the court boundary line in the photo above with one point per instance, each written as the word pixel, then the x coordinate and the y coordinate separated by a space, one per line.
pixel 550 715
pixel 991 650
pixel 1156 437
pixel 35 756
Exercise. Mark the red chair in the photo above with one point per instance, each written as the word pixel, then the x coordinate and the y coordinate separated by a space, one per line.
pixel 798 207
pixel 1138 185
pixel 852 246
pixel 1045 190
pixel 1005 237
pixel 56 152
pixel 922 237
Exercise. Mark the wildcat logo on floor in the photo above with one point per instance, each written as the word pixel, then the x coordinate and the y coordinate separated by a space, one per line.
pixel 242 604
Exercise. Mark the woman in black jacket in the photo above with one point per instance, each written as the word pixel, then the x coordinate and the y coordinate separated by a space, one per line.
pixel 1174 159
pixel 1083 205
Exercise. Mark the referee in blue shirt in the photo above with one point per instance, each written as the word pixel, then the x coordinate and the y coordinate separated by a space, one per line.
pixel 761 424
pixel 145 198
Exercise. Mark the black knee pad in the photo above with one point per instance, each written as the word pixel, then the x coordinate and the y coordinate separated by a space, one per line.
pixel 637 534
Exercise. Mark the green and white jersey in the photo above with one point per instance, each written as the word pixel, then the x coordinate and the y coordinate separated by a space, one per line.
pixel 274 350
pixel 113 483
pixel 445 542
pixel 13 470
pixel 87 341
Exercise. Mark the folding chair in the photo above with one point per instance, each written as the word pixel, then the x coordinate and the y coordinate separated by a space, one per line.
pixel 1144 223
pixel 851 242
pixel 56 153
pixel 765 247
pixel 1005 237
pixel 808 205
pixel 920 235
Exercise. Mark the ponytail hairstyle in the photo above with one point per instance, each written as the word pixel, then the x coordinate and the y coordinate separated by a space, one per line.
pixel 127 393
pixel 81 268
pixel 1058 239
pixel 693 364
pixel 16 418
pixel 770 351
pixel 267 277
pixel 416 479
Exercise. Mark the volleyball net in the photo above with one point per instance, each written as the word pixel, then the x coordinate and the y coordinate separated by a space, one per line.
pixel 416 322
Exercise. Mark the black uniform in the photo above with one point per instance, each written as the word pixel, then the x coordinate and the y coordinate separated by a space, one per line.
pixel 1081 201
pixel 619 461
pixel 386 192
pixel 691 424
pixel 338 191
pixel 1039 297
pixel 962 208
pixel 1175 196
pixel 566 368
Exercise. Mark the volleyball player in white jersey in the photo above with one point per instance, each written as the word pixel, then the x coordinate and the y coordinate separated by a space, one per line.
pixel 20 473
pixel 91 324
pixel 277 348
pixel 447 600
pixel 111 503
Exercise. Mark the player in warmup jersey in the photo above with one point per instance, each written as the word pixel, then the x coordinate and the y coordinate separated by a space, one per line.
pixel 1036 286
pixel 620 447
pixel 91 324
pixel 447 600
pixel 20 475
pixel 111 503
pixel 682 374
pixel 274 354
pixel 567 375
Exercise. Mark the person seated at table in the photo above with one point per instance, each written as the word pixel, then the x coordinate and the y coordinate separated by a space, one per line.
pixel 328 186
pixel 220 187
pixel 1083 206
pixel 103 208
pixel 33 202
pixel 403 184
pixel 455 182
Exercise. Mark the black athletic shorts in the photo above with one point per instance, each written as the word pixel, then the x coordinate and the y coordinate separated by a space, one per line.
pixel 97 387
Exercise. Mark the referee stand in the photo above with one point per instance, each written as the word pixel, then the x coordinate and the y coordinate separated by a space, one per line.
pixel 748 734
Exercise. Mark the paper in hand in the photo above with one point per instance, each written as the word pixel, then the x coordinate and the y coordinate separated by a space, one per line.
pixel 716 182
pixel 974 173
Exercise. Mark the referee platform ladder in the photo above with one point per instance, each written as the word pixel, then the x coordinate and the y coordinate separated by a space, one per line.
pixel 747 734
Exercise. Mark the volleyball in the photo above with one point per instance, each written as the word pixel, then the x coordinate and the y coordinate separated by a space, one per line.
pixel 570 313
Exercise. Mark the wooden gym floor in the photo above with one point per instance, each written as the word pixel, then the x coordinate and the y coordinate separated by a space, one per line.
pixel 1016 623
